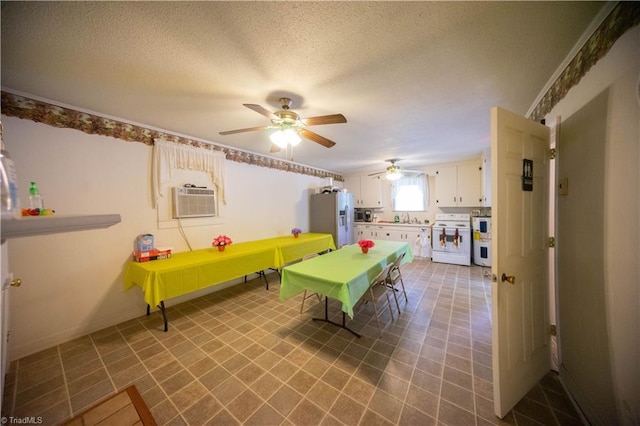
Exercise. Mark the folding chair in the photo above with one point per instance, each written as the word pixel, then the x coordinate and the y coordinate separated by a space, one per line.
pixel 378 288
pixel 394 277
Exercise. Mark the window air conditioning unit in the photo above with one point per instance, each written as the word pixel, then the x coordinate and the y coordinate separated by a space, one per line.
pixel 193 202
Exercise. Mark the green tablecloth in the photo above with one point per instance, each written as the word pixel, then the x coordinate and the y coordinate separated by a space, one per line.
pixel 190 271
pixel 343 274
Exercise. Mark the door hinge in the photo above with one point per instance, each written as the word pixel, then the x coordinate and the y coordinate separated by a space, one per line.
pixel 553 330
pixel 552 242
pixel 552 153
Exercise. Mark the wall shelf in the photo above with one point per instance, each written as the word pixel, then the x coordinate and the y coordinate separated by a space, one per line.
pixel 41 225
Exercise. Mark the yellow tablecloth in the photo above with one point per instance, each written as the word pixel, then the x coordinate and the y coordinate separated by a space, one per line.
pixel 291 249
pixel 190 271
pixel 343 274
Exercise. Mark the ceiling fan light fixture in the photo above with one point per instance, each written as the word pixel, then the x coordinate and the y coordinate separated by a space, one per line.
pixel 285 137
pixel 393 175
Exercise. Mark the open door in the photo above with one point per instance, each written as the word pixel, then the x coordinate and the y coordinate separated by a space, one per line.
pixel 519 295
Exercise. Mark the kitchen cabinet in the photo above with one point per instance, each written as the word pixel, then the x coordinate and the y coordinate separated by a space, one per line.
pixel 459 185
pixel 366 190
pixel 372 232
pixel 403 233
pixel 406 234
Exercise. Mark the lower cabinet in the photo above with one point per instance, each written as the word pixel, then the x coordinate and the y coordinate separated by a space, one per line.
pixel 370 232
pixel 391 233
pixel 405 235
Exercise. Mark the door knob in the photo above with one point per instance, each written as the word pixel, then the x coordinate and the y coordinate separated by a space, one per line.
pixel 16 283
pixel 508 278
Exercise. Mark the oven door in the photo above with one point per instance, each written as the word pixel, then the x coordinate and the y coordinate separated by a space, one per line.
pixel 451 239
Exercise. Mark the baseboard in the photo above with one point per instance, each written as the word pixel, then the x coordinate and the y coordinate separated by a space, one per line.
pixel 569 386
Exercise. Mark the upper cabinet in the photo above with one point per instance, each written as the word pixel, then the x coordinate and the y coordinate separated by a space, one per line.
pixel 459 185
pixel 486 178
pixel 366 190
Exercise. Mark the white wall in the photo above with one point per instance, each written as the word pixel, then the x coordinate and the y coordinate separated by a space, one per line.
pixel 72 283
pixel 619 73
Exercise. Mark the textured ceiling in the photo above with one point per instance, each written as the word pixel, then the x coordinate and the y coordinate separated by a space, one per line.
pixel 415 80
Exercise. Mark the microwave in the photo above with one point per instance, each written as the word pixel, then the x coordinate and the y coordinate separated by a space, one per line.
pixel 363 215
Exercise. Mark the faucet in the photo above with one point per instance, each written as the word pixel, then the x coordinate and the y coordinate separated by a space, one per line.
pixel 406 218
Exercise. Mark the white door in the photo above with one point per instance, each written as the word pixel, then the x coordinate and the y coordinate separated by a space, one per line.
pixel 5 282
pixel 521 354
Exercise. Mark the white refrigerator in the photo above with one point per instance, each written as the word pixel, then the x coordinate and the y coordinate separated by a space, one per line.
pixel 333 213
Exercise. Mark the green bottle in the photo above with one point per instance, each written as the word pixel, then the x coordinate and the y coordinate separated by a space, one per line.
pixel 35 199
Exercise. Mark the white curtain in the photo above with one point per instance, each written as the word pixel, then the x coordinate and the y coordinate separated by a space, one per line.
pixel 410 183
pixel 168 156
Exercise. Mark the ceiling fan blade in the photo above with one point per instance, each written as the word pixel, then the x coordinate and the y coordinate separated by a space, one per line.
pixel 324 119
pixel 248 129
pixel 377 174
pixel 262 111
pixel 274 148
pixel 316 138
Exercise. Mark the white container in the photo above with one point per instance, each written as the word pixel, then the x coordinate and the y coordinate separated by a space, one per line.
pixel 9 182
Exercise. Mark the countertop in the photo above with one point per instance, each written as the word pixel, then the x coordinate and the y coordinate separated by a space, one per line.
pixel 390 223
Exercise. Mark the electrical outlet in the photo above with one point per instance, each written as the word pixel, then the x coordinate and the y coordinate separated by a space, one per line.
pixel 563 187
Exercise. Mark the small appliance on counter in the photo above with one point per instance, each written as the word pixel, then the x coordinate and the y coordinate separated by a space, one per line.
pixel 363 215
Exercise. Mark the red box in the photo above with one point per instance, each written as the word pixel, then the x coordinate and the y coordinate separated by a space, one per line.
pixel 155 254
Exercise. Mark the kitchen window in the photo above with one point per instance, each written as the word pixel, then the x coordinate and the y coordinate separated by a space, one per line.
pixel 410 194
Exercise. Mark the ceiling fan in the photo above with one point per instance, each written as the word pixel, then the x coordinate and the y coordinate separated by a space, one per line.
pixel 394 171
pixel 289 127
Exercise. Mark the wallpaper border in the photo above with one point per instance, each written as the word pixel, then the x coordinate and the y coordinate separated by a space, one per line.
pixel 622 18
pixel 14 105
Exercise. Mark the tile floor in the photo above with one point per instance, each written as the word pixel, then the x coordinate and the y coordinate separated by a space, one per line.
pixel 240 356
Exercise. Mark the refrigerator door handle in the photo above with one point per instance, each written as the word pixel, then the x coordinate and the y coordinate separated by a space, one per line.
pixel 346 211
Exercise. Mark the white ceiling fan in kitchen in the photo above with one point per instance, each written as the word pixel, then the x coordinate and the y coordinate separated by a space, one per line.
pixel 288 128
pixel 394 172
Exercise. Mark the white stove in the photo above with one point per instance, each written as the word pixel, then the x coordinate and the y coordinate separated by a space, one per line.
pixel 451 239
